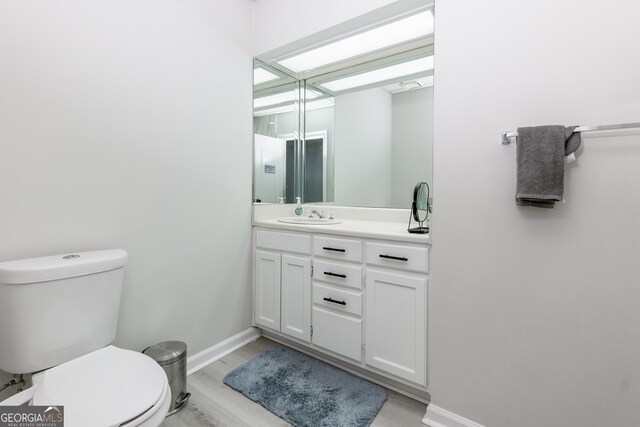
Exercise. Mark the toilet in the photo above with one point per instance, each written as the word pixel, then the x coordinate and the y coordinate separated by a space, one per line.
pixel 58 318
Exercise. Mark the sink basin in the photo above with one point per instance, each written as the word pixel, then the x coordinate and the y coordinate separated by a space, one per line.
pixel 308 221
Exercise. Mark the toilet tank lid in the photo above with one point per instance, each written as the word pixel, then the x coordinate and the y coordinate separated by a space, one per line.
pixel 56 267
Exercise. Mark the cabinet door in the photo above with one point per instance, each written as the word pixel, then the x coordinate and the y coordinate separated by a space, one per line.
pixel 395 324
pixel 296 297
pixel 267 290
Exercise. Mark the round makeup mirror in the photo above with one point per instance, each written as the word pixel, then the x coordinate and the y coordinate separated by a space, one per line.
pixel 420 208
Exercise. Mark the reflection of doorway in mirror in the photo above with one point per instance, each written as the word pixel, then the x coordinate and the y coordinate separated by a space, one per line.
pixel 314 184
pixel 314 167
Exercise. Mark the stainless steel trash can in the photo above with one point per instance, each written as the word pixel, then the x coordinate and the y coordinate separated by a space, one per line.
pixel 172 356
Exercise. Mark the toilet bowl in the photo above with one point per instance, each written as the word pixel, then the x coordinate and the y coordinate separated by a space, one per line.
pixel 108 387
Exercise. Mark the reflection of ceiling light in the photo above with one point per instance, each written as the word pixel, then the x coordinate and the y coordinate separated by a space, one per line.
pixel 321 103
pixel 278 98
pixel 260 75
pixel 403 30
pixel 275 110
pixel 380 75
pixel 314 105
pixel 281 98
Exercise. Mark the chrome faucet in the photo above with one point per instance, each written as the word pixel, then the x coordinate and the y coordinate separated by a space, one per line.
pixel 315 212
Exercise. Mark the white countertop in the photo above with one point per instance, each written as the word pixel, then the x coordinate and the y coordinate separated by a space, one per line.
pixel 353 227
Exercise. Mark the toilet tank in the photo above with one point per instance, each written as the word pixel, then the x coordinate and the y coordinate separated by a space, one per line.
pixel 56 308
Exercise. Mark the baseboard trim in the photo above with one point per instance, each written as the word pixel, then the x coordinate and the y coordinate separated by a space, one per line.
pixel 215 352
pixel 440 417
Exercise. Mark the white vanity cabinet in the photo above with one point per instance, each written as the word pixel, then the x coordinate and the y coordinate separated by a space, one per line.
pixel 282 294
pixel 396 310
pixel 362 301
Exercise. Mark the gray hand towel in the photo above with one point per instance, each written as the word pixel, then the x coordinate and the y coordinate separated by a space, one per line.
pixel 540 162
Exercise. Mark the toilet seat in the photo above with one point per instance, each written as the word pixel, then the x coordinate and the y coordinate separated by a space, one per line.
pixel 108 387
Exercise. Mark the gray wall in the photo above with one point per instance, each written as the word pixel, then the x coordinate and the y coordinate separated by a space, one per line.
pixel 322 119
pixel 119 128
pixel 412 143
pixel 363 149
pixel 534 314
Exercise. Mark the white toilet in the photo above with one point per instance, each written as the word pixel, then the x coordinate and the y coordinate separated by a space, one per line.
pixel 58 317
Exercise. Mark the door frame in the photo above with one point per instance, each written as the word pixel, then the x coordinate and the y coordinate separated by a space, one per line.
pixel 321 134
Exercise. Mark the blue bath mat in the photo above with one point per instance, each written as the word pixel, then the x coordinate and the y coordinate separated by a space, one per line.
pixel 305 391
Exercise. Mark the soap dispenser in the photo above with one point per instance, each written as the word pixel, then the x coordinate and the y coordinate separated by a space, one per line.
pixel 298 206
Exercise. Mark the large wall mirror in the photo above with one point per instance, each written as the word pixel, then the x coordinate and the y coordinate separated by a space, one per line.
pixel 348 121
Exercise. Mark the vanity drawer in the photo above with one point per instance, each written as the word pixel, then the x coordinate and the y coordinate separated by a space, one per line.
pixel 286 242
pixel 338 273
pixel 337 248
pixel 338 333
pixel 337 299
pixel 413 258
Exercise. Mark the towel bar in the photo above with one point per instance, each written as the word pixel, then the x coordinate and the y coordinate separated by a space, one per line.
pixel 508 135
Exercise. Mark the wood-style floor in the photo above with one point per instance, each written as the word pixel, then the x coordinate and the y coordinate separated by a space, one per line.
pixel 212 403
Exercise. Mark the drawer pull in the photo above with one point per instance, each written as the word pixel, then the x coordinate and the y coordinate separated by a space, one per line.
pixel 328 273
pixel 335 301
pixel 397 258
pixel 329 248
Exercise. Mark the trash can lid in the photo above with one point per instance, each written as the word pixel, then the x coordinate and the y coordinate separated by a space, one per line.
pixel 166 353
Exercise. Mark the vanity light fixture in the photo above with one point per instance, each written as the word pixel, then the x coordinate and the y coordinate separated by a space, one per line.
pixel 260 75
pixel 400 31
pixel 408 68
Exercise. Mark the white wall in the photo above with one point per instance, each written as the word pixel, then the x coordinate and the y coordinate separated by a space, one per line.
pixel 279 22
pixel 119 128
pixel 534 314
pixel 412 143
pixel 363 148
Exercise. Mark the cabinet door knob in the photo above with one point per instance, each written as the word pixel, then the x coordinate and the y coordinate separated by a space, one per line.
pixel 328 273
pixel 335 301
pixel 397 258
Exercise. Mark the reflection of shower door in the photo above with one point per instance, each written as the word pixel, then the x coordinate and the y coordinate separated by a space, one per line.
pixel 269 168
pixel 313 169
